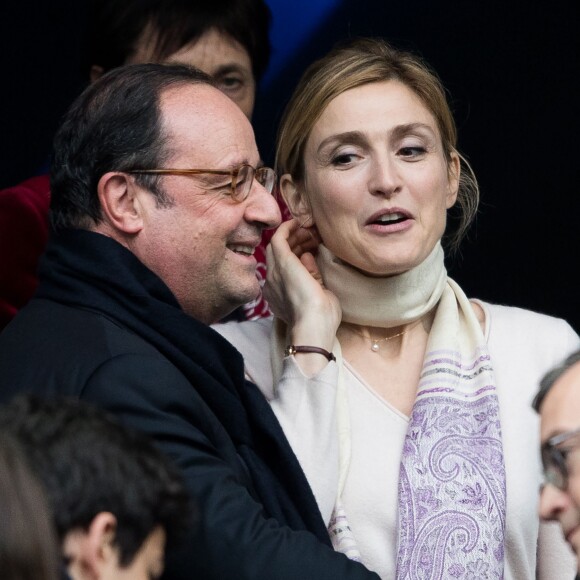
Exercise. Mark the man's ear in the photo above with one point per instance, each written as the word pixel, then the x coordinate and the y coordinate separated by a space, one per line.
pixel 296 200
pixel 90 553
pixel 119 197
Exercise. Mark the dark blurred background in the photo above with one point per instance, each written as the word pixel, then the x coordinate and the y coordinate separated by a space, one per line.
pixel 511 71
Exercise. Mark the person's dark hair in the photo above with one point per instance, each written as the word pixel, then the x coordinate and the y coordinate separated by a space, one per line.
pixel 28 547
pixel 114 125
pixel 117 26
pixel 89 463
pixel 552 376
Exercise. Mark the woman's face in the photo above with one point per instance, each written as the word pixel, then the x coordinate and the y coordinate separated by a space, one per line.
pixel 377 179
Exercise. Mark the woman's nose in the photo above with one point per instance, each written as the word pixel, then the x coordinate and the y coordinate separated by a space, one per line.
pixel 384 178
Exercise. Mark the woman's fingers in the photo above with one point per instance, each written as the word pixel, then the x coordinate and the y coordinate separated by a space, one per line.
pixel 298 239
pixel 304 240
pixel 309 263
pixel 294 288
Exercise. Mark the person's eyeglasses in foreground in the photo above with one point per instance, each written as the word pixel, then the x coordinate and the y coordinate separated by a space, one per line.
pixel 242 178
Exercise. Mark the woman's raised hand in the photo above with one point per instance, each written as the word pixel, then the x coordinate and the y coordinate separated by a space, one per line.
pixel 294 288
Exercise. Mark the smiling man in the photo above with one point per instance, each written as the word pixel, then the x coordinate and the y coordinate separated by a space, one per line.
pixel 227 39
pixel 158 202
pixel 558 402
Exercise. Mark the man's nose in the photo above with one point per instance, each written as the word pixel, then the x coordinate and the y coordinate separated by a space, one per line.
pixel 552 502
pixel 262 206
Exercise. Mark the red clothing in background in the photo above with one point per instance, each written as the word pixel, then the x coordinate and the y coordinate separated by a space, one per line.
pixel 23 236
pixel 259 307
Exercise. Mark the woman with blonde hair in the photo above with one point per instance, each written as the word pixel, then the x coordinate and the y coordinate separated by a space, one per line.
pixel 407 404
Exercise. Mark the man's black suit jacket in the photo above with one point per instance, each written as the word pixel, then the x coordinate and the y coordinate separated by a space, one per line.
pixel 52 348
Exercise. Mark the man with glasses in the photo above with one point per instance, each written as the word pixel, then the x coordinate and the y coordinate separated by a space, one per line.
pixel 228 39
pixel 158 202
pixel 558 403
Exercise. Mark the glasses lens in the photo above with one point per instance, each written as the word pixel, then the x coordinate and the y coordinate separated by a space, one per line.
pixel 244 180
pixel 267 178
pixel 554 465
pixel 555 477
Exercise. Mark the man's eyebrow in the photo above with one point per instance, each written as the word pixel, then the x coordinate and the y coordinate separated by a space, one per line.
pixel 239 163
pixel 573 432
pixel 551 434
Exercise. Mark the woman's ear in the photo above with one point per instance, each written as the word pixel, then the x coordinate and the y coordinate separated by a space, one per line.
pixel 296 201
pixel 453 173
pixel 120 202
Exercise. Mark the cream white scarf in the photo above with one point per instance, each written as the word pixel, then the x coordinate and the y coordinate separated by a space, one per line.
pixel 452 474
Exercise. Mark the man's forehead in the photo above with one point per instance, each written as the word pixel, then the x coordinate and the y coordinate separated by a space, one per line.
pixel 204 96
pixel 200 117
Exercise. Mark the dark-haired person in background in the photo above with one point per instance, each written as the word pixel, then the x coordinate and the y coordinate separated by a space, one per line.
pixel 115 498
pixel 228 39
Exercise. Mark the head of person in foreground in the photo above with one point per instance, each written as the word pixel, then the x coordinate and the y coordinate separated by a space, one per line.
pixel 158 159
pixel 116 501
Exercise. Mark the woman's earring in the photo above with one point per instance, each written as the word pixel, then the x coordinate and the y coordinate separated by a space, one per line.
pixel 305 222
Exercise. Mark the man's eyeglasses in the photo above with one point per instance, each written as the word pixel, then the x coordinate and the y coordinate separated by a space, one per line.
pixel 554 458
pixel 242 177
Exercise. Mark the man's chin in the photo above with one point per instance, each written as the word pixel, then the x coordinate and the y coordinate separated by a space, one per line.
pixel 242 298
pixel 250 292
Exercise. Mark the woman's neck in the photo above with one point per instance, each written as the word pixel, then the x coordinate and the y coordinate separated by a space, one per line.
pixel 389 302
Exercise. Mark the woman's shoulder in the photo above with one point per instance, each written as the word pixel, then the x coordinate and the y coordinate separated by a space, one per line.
pixel 513 326
pixel 503 314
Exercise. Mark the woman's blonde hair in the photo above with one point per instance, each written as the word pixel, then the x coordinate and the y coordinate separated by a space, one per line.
pixel 360 62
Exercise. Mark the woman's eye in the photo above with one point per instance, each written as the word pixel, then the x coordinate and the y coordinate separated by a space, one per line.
pixel 412 152
pixel 343 158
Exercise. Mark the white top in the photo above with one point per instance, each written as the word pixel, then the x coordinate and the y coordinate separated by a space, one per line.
pixel 523 345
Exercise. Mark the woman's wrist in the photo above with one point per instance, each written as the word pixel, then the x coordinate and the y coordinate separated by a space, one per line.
pixel 315 331
pixel 292 349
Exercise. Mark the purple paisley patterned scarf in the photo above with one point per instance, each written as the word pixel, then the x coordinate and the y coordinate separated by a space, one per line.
pixel 452 478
